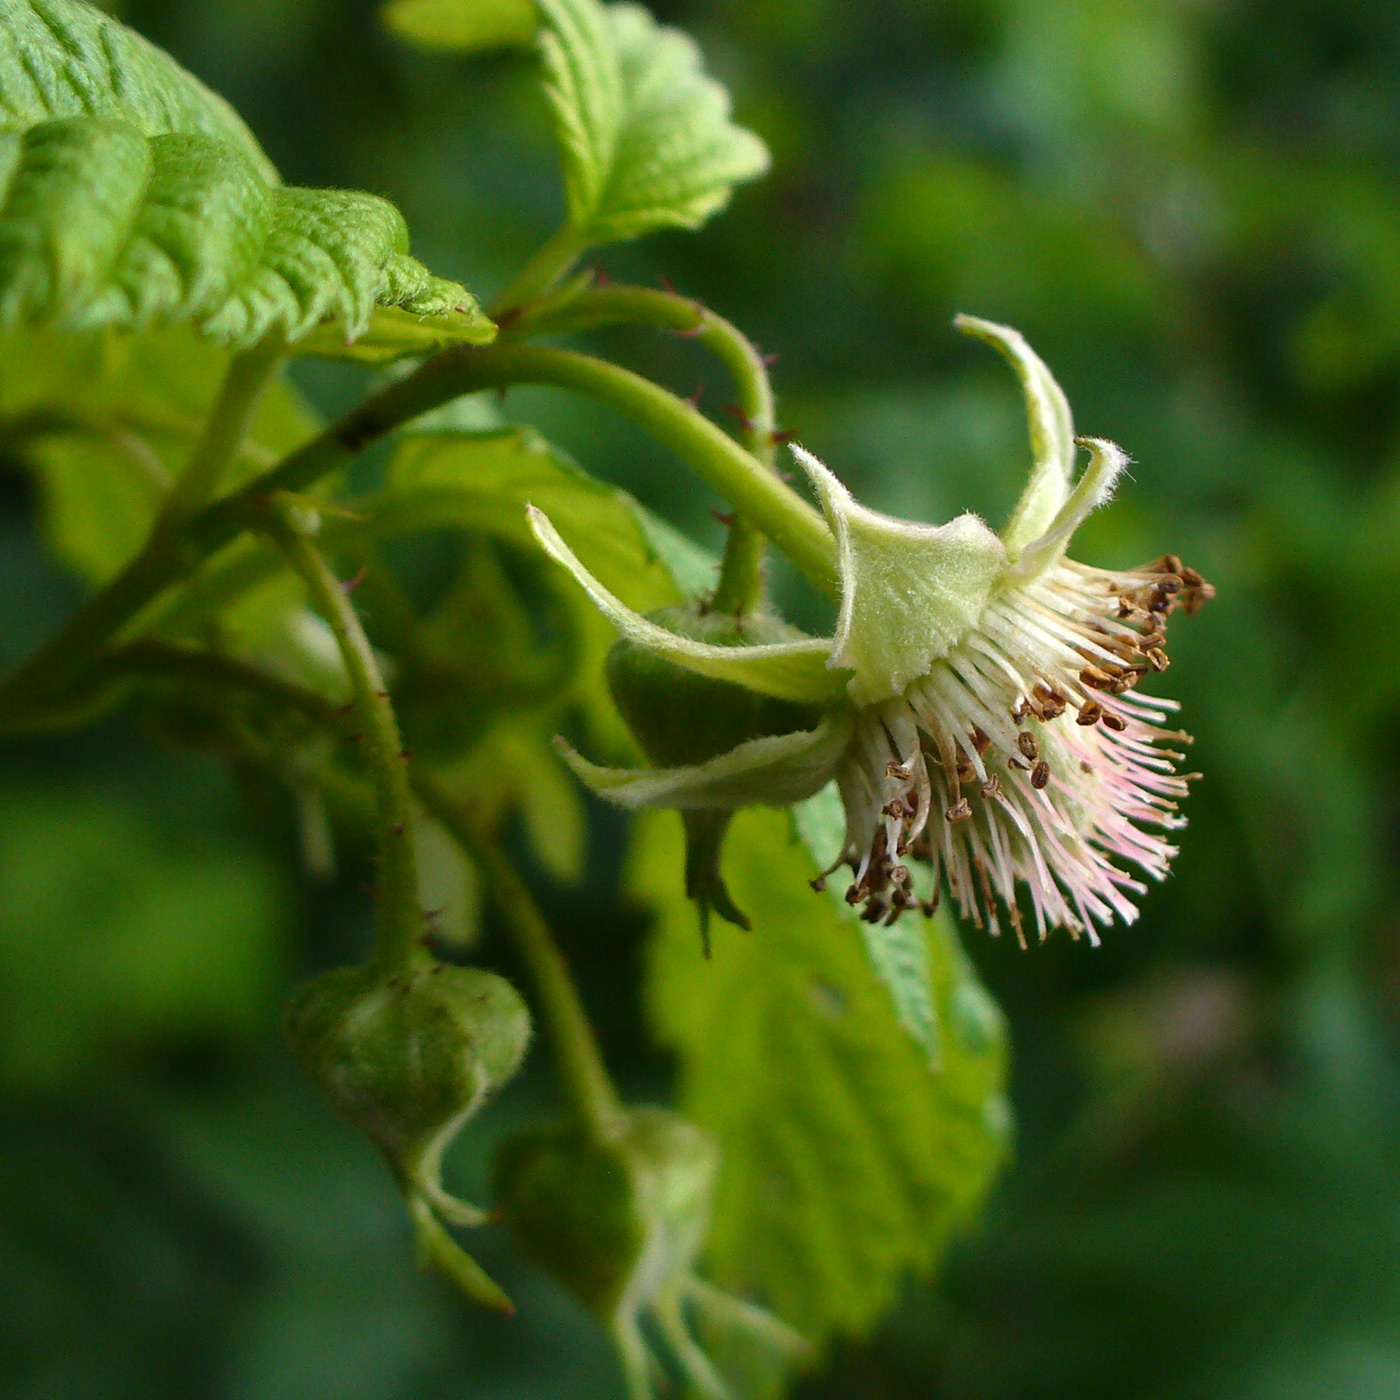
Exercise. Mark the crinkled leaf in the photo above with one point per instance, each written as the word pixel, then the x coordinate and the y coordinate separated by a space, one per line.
pixel 847 1162
pixel 899 951
pixel 646 136
pixel 463 24
pixel 130 196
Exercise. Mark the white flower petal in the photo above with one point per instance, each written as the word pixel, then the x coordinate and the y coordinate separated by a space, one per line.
pixel 785 670
pixel 773 771
pixel 1052 434
pixel 1107 462
pixel 909 592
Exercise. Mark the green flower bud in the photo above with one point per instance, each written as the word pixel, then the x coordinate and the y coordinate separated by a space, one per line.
pixel 409 1060
pixel 616 1221
pixel 619 1220
pixel 681 718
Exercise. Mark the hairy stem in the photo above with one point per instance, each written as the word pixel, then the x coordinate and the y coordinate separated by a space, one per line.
pixel 772 506
pixel 741 575
pixel 399 925
pixel 581 1068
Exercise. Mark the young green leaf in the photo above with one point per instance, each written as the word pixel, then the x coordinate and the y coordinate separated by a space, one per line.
pixel 645 132
pixel 463 24
pixel 133 196
pixel 847 1161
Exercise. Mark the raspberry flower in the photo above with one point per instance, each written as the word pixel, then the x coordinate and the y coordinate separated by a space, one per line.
pixel 979 709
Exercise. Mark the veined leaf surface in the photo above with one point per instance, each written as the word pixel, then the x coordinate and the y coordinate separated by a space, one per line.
pixel 645 132
pixel 131 195
pixel 847 1161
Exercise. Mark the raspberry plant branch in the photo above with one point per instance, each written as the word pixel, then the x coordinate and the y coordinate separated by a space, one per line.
pixel 398 945
pixel 755 491
pixel 741 574
pixel 581 1069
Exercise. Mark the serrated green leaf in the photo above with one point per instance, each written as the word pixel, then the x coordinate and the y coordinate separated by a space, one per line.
pixel 847 1162
pixel 107 421
pixel 645 133
pixel 133 196
pixel 899 951
pixel 463 25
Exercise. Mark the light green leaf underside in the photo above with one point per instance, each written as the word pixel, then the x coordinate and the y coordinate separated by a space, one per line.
pixel 463 25
pixel 108 420
pixel 132 196
pixel 772 771
pixel 394 333
pixel 846 1162
pixel 786 670
pixel 899 951
pixel 645 134
pixel 1051 429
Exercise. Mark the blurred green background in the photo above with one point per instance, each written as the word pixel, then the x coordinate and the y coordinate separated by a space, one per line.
pixel 1192 208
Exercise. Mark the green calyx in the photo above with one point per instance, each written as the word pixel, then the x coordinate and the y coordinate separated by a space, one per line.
pixel 680 717
pixel 618 1221
pixel 409 1059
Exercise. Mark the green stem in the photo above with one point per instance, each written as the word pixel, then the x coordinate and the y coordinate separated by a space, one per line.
pixel 398 946
pixel 227 425
pixel 772 506
pixel 794 526
pixel 741 574
pixel 581 1068
pixel 541 273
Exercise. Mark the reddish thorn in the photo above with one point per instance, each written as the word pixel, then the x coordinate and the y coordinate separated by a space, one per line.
pixel 351 584
pixel 353 738
pixel 398 828
pixel 725 517
pixel 735 412
pixel 786 476
pixel 370 891
pixel 600 277
pixel 770 359
pixel 405 754
pixel 784 435
pixel 344 709
pixel 694 399
pixel 668 286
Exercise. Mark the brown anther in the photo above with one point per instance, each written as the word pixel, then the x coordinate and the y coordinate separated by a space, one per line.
pixel 965 771
pixel 853 895
pixel 1040 775
pixel 992 787
pixel 960 811
pixel 819 884
pixel 1159 659
pixel 1169 583
pixel 980 741
pixel 1089 712
pixel 1096 678
pixel 1019 764
pixel 1155 638
pixel 1126 606
pixel 1169 563
pixel 1052 703
pixel 1025 741
pixel 1115 722
pixel 1197 597
pixel 1085 766
pixel 902 771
